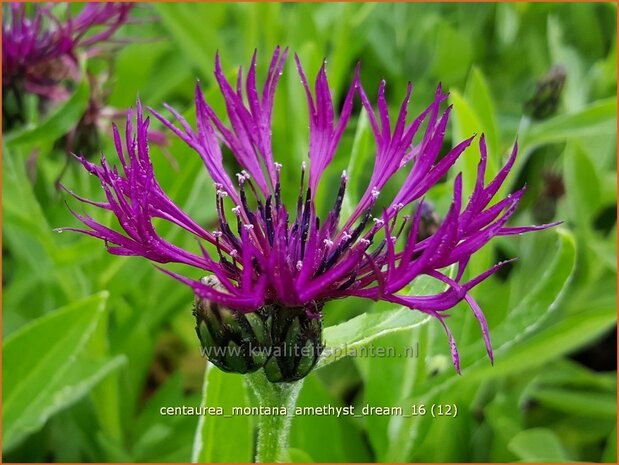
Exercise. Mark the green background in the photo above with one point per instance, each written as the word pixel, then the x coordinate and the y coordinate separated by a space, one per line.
pixel 94 345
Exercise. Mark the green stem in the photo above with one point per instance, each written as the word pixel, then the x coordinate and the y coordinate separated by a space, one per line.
pixel 273 430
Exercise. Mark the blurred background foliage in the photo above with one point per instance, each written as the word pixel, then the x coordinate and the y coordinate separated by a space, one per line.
pixel 94 345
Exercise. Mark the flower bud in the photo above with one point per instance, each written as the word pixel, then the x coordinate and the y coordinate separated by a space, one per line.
pixel 429 220
pixel 13 107
pixel 285 341
pixel 297 342
pixel 232 340
pixel 547 94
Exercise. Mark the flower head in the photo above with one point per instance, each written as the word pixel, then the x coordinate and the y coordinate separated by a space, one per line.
pixel 40 48
pixel 266 253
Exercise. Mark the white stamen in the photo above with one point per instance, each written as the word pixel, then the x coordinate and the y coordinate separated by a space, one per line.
pixel 248 227
pixel 345 176
pixel 299 265
pixel 241 178
pixel 398 206
pixel 378 222
pixel 328 242
pixel 278 166
pixel 375 193
pixel 364 241
pixel 237 210
pixel 217 234
pixel 346 236
pixel 234 253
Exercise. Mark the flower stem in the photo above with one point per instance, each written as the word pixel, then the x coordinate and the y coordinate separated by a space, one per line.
pixel 273 430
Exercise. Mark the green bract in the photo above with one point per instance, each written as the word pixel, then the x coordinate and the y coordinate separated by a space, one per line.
pixel 286 342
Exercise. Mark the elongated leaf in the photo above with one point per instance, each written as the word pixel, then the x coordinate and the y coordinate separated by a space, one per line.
pixel 606 252
pixel 478 93
pixel 20 206
pixel 33 244
pixel 584 403
pixel 538 445
pixel 567 373
pixel 561 338
pixel 391 377
pixel 228 438
pixel 583 184
pixel 344 339
pixel 610 453
pixel 507 337
pixel 531 310
pixel 188 29
pixel 597 119
pixel 453 52
pixel 42 369
pixel 468 122
pixel 163 438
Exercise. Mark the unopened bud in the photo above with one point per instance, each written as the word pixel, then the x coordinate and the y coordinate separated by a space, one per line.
pixel 297 343
pixel 285 341
pixel 232 340
pixel 547 94
pixel 429 221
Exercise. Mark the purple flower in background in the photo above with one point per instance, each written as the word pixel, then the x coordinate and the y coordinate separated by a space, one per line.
pixel 266 254
pixel 40 46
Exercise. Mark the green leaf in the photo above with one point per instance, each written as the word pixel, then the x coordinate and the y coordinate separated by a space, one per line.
pixel 186 25
pixel 504 417
pixel 610 452
pixel 538 445
pixel 585 403
pixel 478 94
pixel 597 119
pixel 569 334
pixel 567 373
pixel 467 122
pixel 20 206
pixel 583 184
pixel 507 23
pixel 605 251
pixel 56 124
pixel 163 438
pixel 452 54
pixel 539 299
pixel 223 439
pixel 298 456
pixel 346 338
pixel 32 242
pixel 445 437
pixel 326 438
pixel 509 337
pixel 390 379
pixel 47 372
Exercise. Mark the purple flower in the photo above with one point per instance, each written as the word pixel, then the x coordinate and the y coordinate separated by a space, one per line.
pixel 39 48
pixel 285 254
